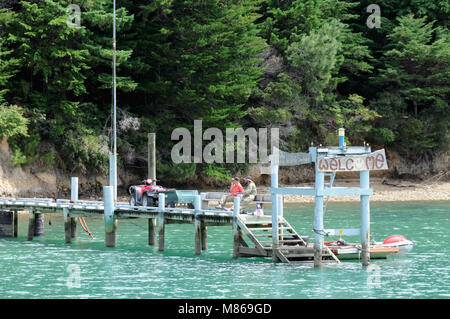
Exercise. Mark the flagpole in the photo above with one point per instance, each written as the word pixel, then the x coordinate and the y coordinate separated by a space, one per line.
pixel 113 158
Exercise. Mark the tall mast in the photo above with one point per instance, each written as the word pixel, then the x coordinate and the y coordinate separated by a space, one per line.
pixel 114 78
pixel 113 157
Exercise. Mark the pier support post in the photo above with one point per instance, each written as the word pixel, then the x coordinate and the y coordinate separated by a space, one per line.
pixel 161 221
pixel 8 224
pixel 275 205
pixel 110 221
pixel 318 219
pixel 39 224
pixel 74 197
pixel 365 219
pixel 197 222
pixel 204 235
pixel 31 223
pixel 73 227
pixel 67 226
pixel 203 228
pixel 204 200
pixel 236 233
pixel 152 157
pixel 280 210
pixel 16 223
pixel 152 232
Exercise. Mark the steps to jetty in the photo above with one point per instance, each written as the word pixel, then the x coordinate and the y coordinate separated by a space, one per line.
pixel 259 233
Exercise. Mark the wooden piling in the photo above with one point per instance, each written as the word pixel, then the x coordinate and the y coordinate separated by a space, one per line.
pixel 111 234
pixel 110 220
pixel 197 236
pixel 197 224
pixel 161 221
pixel 39 224
pixel 152 232
pixel 8 227
pixel 73 227
pixel 152 157
pixel 16 223
pixel 31 223
pixel 67 226
pixel 236 234
pixel 204 235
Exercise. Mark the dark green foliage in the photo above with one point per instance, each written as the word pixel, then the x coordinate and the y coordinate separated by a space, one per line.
pixel 415 86
pixel 305 66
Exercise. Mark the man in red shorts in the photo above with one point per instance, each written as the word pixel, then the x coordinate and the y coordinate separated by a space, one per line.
pixel 236 188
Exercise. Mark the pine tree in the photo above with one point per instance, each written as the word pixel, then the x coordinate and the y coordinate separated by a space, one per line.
pixel 321 54
pixel 203 59
pixel 416 73
pixel 60 65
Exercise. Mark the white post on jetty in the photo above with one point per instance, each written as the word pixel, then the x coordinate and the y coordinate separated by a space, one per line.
pixel 151 173
pixel 110 221
pixel 365 219
pixel 318 217
pixel 274 157
pixel 73 197
pixel 113 174
pixel 113 156
pixel 74 188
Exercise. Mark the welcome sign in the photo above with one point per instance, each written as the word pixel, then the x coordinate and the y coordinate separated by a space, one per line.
pixel 373 161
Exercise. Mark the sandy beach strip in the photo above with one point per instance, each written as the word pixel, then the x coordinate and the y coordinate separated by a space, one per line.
pixel 383 191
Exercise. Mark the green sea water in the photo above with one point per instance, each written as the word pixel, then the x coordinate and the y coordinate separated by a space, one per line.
pixel 49 268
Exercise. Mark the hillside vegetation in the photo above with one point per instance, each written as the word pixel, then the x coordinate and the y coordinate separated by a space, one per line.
pixel 307 67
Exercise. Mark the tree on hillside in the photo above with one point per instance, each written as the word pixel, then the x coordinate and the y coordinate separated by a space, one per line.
pixel 12 120
pixel 320 54
pixel 193 60
pixel 414 82
pixel 59 66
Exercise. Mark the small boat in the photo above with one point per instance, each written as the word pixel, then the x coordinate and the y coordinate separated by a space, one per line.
pixel 404 245
pixel 393 245
pixel 353 251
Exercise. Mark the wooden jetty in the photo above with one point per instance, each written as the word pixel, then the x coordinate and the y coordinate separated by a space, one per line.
pixel 268 236
pixel 252 235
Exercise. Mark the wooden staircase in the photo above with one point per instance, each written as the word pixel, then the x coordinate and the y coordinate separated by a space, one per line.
pixel 292 246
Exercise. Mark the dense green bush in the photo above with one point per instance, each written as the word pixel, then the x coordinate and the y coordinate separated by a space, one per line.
pixel 305 66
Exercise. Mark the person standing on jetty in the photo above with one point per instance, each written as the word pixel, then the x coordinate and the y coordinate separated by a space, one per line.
pixel 236 188
pixel 249 193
